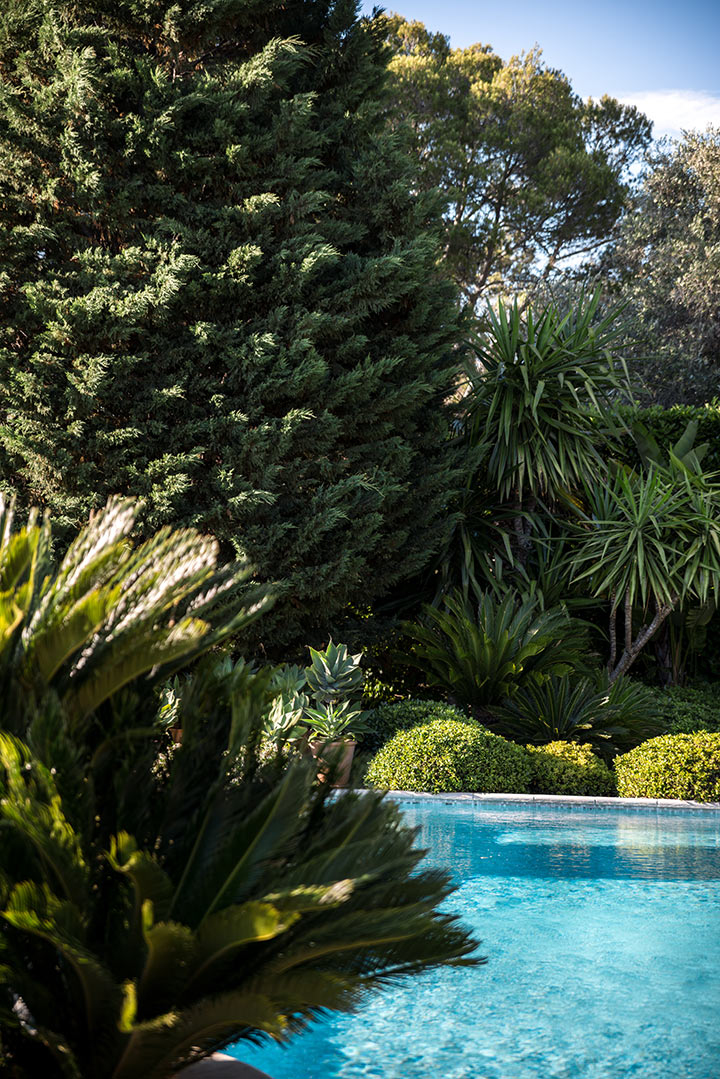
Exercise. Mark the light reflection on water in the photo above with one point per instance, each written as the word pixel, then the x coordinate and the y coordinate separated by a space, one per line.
pixel 551 841
pixel 602 930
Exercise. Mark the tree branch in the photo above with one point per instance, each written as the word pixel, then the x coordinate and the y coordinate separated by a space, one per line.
pixel 613 633
pixel 662 610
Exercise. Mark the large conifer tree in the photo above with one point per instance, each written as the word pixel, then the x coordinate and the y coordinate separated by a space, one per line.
pixel 218 289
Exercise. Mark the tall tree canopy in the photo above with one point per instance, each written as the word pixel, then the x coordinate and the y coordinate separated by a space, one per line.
pixel 533 175
pixel 667 265
pixel 219 289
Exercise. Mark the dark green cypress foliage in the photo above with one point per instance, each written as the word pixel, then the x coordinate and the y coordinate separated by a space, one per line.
pixel 218 291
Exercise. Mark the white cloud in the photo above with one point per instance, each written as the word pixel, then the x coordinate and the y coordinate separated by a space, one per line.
pixel 673 111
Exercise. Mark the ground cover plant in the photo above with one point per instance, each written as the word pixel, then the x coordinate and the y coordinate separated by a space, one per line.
pixel 161 899
pixel 672 766
pixel 447 755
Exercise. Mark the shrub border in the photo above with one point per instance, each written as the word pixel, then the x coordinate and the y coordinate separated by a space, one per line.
pixel 553 799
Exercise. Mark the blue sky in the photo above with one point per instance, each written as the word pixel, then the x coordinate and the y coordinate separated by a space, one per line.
pixel 662 56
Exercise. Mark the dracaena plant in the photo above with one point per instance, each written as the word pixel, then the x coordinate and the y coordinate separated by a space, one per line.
pixel 535 424
pixel 647 541
pixel 160 901
pixel 537 395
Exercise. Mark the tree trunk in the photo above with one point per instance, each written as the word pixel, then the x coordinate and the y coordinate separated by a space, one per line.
pixel 613 633
pixel 631 652
pixel 522 527
pixel 663 655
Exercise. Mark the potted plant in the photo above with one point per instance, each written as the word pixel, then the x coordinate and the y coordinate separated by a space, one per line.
pixel 334 718
pixel 284 720
pixel 332 739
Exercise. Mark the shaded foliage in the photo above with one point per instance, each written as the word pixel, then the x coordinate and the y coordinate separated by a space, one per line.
pixel 611 718
pixel 480 655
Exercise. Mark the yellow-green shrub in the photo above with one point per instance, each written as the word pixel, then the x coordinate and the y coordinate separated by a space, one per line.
pixel 569 768
pixel 672 766
pixel 450 755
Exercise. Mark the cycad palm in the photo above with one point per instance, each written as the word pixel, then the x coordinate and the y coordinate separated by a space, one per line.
pixel 481 656
pixel 111 612
pixel 160 901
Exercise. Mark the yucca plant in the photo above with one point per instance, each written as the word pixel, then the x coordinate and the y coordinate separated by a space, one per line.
pixel 649 540
pixel 160 901
pixel 535 423
pixel 611 717
pixel 537 395
pixel 481 655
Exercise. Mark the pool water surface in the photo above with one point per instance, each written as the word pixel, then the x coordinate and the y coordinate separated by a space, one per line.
pixel 602 931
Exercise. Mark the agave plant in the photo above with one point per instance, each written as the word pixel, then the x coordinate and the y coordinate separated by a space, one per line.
pixel 160 901
pixel 333 674
pixel 284 720
pixel 612 718
pixel 333 721
pixel 482 656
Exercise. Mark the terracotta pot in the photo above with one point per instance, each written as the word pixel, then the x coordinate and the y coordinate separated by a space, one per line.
pixel 220 1066
pixel 335 757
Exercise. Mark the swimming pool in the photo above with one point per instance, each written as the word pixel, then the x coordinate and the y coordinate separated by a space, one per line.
pixel 602 932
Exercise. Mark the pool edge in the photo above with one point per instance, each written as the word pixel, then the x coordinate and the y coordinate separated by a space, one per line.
pixel 551 799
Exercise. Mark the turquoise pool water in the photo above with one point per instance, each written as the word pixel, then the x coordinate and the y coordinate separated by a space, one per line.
pixel 602 932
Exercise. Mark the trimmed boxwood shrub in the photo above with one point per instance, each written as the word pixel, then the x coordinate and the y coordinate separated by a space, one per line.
pixel 450 755
pixel 672 766
pixel 387 719
pixel 569 768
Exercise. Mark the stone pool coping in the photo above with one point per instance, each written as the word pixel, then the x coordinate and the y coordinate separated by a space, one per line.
pixel 554 799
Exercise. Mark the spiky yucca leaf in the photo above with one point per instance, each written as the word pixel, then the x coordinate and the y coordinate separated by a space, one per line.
pixel 537 392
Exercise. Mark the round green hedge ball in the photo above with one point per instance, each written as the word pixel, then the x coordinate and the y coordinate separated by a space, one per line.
pixel 569 768
pixel 673 766
pixel 449 755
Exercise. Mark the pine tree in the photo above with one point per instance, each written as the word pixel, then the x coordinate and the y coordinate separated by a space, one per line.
pixel 219 291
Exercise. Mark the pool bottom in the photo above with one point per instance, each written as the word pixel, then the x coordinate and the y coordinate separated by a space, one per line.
pixel 603 951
